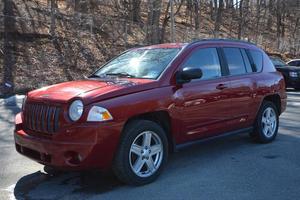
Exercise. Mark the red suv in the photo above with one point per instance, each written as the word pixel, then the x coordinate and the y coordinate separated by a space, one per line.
pixel 148 102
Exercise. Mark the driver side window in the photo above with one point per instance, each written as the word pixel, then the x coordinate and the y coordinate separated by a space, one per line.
pixel 207 60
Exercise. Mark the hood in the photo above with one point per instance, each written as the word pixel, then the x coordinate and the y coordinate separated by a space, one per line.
pixel 89 90
pixel 288 67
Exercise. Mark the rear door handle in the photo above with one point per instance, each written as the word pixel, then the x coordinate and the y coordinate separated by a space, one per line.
pixel 221 86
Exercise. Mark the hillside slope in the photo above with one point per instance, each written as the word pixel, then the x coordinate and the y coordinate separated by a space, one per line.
pixel 34 54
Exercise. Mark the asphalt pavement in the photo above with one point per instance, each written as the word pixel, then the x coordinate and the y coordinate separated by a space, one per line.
pixel 228 168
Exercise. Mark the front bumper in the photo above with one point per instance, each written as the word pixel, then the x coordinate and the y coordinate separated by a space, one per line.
pixel 85 146
pixel 293 82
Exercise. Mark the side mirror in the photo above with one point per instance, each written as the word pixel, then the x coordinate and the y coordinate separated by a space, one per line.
pixel 188 74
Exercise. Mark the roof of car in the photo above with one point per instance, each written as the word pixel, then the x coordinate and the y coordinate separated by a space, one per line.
pixel 214 40
pixel 297 59
pixel 165 46
pixel 223 40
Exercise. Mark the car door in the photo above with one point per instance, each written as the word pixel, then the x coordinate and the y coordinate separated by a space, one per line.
pixel 242 86
pixel 204 104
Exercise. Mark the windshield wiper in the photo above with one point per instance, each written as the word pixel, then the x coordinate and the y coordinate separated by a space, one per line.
pixel 121 74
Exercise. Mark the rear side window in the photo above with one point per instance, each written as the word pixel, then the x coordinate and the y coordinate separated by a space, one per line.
pixel 235 61
pixel 257 58
pixel 246 61
pixel 207 60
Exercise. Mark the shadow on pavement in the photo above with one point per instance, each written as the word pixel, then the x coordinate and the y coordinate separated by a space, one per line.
pixel 44 186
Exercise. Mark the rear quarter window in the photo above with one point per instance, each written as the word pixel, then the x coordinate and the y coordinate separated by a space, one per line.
pixel 257 58
pixel 246 61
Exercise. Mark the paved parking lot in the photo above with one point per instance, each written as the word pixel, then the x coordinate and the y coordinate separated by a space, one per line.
pixel 230 168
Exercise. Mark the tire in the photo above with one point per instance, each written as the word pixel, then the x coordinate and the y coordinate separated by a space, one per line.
pixel 134 162
pixel 266 124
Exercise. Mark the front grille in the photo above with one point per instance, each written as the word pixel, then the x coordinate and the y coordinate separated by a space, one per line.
pixel 42 118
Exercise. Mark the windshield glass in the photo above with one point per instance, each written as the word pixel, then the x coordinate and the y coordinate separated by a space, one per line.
pixel 139 63
pixel 278 62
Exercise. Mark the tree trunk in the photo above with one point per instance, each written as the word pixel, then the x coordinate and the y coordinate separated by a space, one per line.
pixel 135 10
pixel 241 19
pixel 164 24
pixel 53 5
pixel 9 47
pixel 153 32
pixel 211 5
pixel 258 7
pixel 197 13
pixel 218 20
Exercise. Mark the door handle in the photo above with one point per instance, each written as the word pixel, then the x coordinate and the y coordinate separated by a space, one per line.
pixel 221 86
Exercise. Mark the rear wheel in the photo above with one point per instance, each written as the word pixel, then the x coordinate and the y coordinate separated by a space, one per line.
pixel 142 153
pixel 266 125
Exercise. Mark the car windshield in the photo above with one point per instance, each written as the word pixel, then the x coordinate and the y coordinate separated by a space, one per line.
pixel 294 63
pixel 278 62
pixel 139 63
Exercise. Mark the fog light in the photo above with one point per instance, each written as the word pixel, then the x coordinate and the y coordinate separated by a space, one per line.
pixel 72 158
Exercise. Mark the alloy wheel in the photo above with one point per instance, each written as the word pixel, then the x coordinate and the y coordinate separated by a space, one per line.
pixel 146 154
pixel 269 122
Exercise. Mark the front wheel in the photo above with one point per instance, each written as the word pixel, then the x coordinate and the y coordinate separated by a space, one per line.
pixel 142 153
pixel 266 125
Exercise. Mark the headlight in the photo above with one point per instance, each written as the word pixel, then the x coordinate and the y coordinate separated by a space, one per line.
pixel 98 114
pixel 76 110
pixel 293 74
pixel 24 102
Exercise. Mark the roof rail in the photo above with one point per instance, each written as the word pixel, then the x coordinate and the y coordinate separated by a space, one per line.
pixel 221 39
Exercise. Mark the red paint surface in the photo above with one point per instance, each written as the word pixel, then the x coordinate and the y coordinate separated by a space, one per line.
pixel 196 109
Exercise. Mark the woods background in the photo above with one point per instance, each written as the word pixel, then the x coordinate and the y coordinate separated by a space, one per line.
pixel 49 41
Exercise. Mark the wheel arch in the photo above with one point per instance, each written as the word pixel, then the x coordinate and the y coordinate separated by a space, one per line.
pixel 162 118
pixel 275 99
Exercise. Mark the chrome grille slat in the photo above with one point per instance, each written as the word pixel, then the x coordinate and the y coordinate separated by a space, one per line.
pixel 56 120
pixel 26 115
pixel 36 119
pixel 29 116
pixel 49 120
pixel 32 116
pixel 42 118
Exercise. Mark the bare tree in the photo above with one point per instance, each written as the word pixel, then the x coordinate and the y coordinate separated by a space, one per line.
pixel 197 10
pixel 153 31
pixel 280 18
pixel 135 10
pixel 53 7
pixel 219 6
pixel 167 18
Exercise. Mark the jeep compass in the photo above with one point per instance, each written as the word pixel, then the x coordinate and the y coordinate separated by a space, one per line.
pixel 150 101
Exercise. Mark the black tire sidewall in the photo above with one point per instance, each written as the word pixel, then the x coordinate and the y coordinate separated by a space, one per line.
pixel 122 165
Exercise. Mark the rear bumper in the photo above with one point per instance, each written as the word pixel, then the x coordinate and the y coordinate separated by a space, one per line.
pixel 78 148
